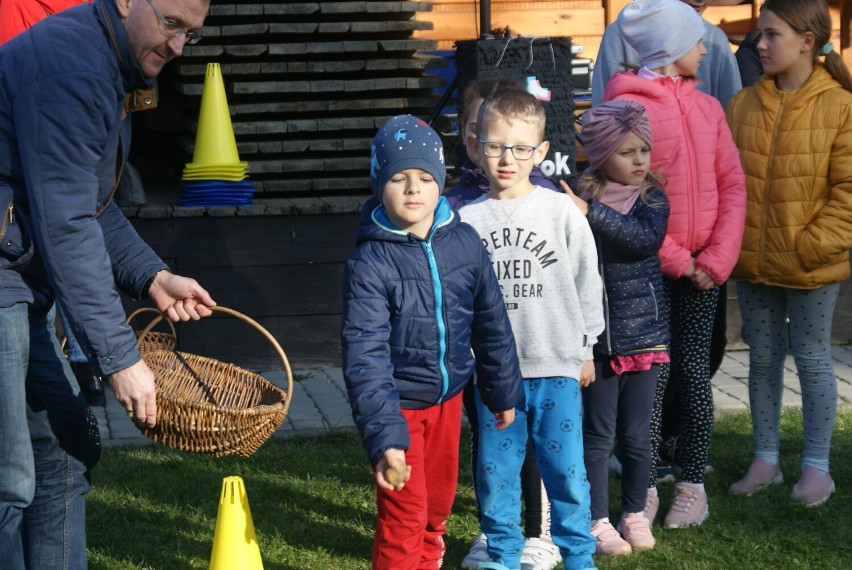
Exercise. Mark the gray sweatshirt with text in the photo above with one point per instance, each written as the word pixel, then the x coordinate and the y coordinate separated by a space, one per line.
pixel 544 255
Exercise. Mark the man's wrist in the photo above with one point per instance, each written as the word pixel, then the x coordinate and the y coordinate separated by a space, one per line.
pixel 150 282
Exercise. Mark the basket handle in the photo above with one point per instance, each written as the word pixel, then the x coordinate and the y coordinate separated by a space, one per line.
pixel 243 318
pixel 156 320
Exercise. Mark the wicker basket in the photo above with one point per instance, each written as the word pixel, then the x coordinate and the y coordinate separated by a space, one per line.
pixel 154 340
pixel 212 407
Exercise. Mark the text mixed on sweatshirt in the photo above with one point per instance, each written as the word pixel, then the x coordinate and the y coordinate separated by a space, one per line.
pixel 543 253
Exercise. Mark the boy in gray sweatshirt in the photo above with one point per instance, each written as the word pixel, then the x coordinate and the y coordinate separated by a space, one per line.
pixel 543 252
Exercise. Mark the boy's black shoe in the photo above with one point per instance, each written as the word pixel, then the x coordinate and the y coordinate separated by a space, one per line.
pixel 90 384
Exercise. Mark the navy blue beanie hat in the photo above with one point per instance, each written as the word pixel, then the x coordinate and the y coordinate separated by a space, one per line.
pixel 405 142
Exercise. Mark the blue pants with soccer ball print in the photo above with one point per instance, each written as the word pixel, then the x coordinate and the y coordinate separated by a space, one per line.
pixel 553 419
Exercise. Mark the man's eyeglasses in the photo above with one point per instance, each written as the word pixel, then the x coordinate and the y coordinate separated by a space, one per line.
pixel 170 28
pixel 519 151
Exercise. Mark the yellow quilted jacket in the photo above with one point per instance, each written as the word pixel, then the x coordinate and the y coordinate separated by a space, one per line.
pixel 796 152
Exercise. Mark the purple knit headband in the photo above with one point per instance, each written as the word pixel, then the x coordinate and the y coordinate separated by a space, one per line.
pixel 606 126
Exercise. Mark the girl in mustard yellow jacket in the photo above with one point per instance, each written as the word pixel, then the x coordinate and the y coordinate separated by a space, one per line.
pixel 794 132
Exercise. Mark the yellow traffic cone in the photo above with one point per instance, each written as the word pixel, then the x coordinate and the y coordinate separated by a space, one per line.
pixel 214 142
pixel 234 542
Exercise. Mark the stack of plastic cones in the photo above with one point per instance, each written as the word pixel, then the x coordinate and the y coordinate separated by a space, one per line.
pixel 216 176
pixel 234 542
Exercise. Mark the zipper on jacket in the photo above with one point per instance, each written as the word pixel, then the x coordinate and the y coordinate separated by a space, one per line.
pixel 605 300
pixel 438 290
pixel 8 218
pixel 692 181
pixel 654 298
pixel 761 250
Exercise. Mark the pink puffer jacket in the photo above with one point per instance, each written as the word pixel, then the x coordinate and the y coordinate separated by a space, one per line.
pixel 695 153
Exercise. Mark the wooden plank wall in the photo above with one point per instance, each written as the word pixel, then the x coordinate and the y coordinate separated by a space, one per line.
pixel 584 21
pixel 456 20
pixel 308 84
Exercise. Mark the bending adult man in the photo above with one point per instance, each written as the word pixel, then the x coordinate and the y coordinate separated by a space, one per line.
pixel 66 85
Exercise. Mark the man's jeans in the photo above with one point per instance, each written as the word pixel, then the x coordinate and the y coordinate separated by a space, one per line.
pixel 49 441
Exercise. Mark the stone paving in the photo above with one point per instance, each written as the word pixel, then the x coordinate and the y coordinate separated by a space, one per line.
pixel 320 405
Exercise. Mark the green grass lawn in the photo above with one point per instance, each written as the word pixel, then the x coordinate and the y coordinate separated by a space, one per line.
pixel 312 506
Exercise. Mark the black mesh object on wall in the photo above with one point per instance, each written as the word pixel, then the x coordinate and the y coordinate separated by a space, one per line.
pixel 543 64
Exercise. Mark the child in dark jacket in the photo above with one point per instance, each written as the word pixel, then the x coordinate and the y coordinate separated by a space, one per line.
pixel 705 187
pixel 419 292
pixel 628 212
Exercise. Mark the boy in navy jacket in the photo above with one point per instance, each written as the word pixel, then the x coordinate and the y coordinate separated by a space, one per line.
pixel 419 293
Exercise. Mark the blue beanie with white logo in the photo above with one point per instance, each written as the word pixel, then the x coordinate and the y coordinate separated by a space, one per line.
pixel 405 142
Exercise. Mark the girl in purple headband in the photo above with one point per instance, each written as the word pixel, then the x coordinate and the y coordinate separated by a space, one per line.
pixel 628 212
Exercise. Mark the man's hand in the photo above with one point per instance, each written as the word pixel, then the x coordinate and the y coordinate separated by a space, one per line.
pixel 587 373
pixel 134 388
pixel 504 418
pixel 180 298
pixel 391 471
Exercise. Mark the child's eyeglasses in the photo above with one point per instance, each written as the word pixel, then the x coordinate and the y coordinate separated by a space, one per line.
pixel 519 151
pixel 170 28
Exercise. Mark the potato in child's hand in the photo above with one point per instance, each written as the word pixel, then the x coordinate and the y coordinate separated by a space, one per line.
pixel 391 470
pixel 395 475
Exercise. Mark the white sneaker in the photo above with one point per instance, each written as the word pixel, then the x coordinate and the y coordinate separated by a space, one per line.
pixel 539 554
pixel 478 553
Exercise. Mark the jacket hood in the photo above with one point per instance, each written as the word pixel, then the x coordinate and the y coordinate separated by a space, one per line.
pixel 473 177
pixel 377 226
pixel 661 88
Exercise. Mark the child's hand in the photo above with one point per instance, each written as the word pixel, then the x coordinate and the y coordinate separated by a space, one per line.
pixel 702 280
pixel 579 202
pixel 504 419
pixel 391 471
pixel 587 373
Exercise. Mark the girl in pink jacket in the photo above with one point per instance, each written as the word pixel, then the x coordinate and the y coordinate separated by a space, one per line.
pixel 695 155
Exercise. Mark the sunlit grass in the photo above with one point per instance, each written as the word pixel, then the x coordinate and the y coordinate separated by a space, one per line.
pixel 312 506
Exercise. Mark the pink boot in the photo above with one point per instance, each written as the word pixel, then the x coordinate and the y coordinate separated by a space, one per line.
pixel 761 474
pixel 652 505
pixel 814 487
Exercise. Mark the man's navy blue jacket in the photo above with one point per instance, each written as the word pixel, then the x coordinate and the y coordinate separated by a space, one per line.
pixel 63 137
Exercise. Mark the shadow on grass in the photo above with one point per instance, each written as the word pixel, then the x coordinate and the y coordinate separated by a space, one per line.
pixel 307 497
pixel 765 531
pixel 312 504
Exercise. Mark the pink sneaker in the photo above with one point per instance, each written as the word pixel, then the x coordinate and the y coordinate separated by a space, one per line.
pixel 761 474
pixel 814 487
pixel 652 505
pixel 689 507
pixel 636 530
pixel 609 542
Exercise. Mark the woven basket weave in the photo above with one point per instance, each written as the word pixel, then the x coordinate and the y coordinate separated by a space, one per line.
pixel 208 406
pixel 154 340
